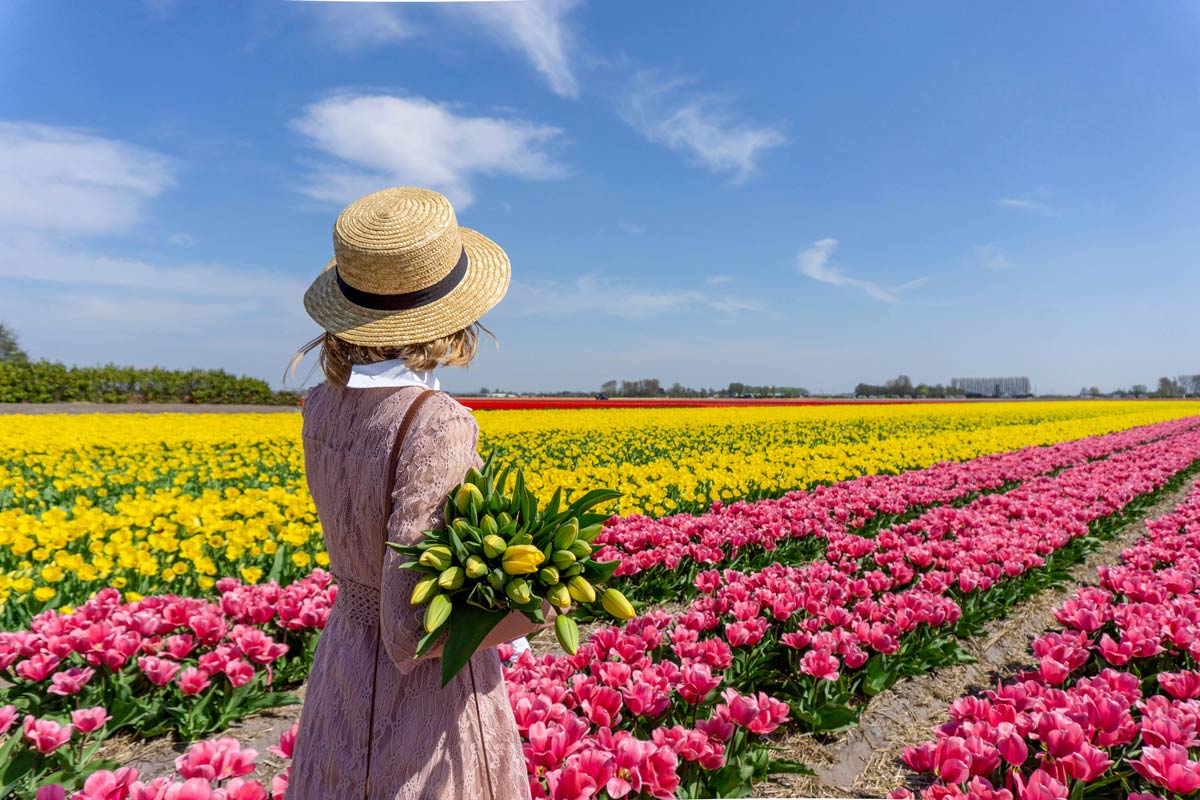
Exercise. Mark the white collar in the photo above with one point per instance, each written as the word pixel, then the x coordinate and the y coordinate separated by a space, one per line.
pixel 392 372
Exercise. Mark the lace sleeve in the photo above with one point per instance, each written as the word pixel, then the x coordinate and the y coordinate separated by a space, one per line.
pixel 439 451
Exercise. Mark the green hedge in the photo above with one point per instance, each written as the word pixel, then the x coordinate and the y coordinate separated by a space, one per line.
pixel 52 382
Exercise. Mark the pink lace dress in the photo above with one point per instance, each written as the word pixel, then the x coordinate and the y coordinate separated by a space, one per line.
pixel 376 724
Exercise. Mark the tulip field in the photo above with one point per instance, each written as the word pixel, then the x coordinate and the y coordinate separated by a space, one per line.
pixel 164 576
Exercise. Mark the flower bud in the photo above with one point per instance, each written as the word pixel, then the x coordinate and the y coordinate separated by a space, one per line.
pixel 565 536
pixel 437 612
pixel 425 589
pixel 488 525
pixel 548 576
pixel 561 559
pixel 494 546
pixel 522 559
pixel 468 497
pixel 518 591
pixel 438 557
pixel 580 549
pixel 465 530
pixel 451 578
pixel 615 603
pixel 558 596
pixel 568 633
pixel 581 591
pixel 496 579
pixel 590 533
pixel 476 567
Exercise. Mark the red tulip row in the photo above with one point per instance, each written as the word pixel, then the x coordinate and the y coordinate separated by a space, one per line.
pixel 1113 706
pixel 666 553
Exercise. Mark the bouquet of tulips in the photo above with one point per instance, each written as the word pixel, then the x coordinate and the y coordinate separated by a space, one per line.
pixel 498 553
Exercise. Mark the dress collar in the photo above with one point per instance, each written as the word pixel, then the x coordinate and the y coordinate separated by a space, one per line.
pixel 392 372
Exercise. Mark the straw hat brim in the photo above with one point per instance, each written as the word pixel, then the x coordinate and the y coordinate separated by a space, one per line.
pixel 483 286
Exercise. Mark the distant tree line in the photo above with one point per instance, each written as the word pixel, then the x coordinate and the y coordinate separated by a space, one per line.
pixel 23 380
pixel 902 386
pixel 1182 386
pixel 652 387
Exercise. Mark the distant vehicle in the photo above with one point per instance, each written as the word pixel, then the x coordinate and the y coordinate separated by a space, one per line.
pixel 601 396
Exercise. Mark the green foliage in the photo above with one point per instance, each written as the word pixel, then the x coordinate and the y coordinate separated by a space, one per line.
pixel 10 349
pixel 53 382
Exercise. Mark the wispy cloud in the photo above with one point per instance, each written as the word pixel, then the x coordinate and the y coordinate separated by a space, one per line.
pixel 375 141
pixel 717 280
pixel 61 188
pixel 1032 205
pixel 353 26
pixel 813 263
pixel 65 181
pixel 990 256
pixel 632 228
pixel 539 30
pixel 595 294
pixel 700 126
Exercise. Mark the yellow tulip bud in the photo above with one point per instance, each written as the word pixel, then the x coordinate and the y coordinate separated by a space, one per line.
pixel 564 537
pixel 424 591
pixel 437 612
pixel 437 557
pixel 568 633
pixel 494 546
pixel 548 575
pixel 467 497
pixel 476 567
pixel 581 591
pixel 451 578
pixel 522 559
pixel 558 595
pixel 561 559
pixel 615 603
pixel 518 591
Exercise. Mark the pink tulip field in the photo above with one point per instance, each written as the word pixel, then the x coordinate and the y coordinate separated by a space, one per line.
pixel 1112 708
pixel 785 617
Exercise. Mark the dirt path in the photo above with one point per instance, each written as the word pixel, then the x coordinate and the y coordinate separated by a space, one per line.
pixel 865 761
pixel 141 408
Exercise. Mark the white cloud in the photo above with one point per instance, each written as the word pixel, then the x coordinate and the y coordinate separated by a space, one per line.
pixel 991 257
pixel 814 263
pixel 1031 205
pixel 632 228
pixel 717 280
pixel 357 25
pixel 65 181
pixel 377 141
pixel 594 294
pixel 701 127
pixel 539 30
pixel 182 240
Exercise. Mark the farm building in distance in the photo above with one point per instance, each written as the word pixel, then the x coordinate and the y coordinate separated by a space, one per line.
pixel 993 387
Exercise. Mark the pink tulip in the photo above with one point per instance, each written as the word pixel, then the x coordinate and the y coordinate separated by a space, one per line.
pixel 106 785
pixel 52 791
pixel 160 671
pixel 70 681
pixel 216 760
pixel 239 672
pixel 87 720
pixel 8 715
pixel 287 742
pixel 37 667
pixel 1169 767
pixel 192 681
pixel 46 735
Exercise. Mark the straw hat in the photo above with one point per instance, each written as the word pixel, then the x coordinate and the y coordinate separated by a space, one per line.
pixel 404 272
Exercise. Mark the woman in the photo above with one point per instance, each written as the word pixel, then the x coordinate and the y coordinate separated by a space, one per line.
pixel 402 295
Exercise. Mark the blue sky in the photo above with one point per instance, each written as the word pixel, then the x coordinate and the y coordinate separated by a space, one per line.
pixel 767 192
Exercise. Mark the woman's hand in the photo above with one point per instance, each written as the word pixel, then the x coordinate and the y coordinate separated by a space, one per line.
pixel 514 625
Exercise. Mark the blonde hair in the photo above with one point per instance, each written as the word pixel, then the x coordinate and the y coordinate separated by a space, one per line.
pixel 337 356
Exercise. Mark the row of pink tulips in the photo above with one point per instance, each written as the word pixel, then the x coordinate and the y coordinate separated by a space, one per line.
pixel 168 662
pixel 1112 708
pixel 641 711
pixel 215 769
pixel 876 608
pixel 664 552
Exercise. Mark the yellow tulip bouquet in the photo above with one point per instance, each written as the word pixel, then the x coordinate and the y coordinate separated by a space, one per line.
pixel 497 553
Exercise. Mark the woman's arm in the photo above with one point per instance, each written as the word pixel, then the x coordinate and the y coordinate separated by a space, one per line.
pixel 435 458
pixel 433 461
